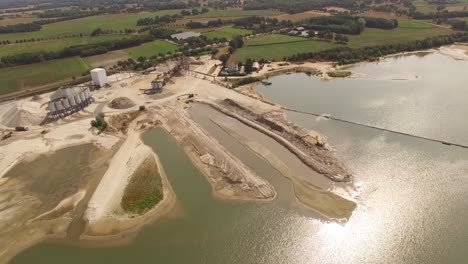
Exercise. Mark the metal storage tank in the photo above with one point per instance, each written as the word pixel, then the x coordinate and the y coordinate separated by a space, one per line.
pixel 58 105
pixel 66 104
pixel 82 96
pixel 77 99
pixel 52 108
pixel 71 99
pixel 70 92
pixel 99 77
pixel 88 94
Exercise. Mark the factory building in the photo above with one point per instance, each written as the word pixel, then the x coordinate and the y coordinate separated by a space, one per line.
pixel 99 77
pixel 73 101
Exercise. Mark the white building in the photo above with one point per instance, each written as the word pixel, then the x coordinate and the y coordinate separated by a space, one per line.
pixel 99 77
pixel 256 66
pixel 185 35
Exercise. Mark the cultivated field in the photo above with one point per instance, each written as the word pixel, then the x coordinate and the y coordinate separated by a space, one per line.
pixel 237 13
pixel 151 49
pixel 22 77
pixel 16 20
pixel 227 32
pixel 412 30
pixel 86 25
pixel 108 59
pixel 415 24
pixel 302 16
pixel 278 46
pixel 53 45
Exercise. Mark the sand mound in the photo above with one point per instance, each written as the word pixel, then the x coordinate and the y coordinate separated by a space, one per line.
pixel 121 103
pixel 24 114
pixel 36 98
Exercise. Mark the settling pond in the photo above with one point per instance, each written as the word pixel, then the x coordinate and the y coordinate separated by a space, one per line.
pixel 413 202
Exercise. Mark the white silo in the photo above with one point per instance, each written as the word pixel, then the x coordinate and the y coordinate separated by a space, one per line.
pixel 52 108
pixel 88 94
pixel 71 99
pixel 82 96
pixel 69 92
pixel 77 99
pixel 58 105
pixel 99 77
pixel 66 103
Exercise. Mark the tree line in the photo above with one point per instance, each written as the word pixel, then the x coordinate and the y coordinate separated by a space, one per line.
pixel 296 6
pixel 346 55
pixel 78 50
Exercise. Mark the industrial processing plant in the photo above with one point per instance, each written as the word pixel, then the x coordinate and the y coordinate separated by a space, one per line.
pixel 75 99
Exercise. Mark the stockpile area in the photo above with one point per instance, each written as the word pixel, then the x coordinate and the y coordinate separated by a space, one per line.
pixel 121 103
pixel 22 114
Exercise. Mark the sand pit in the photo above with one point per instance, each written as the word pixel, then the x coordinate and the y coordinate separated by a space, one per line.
pixel 121 103
pixel 24 114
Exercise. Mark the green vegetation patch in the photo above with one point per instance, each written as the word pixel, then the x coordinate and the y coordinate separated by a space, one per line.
pixel 53 45
pixel 22 77
pixel 273 39
pixel 415 24
pixel 372 37
pixel 279 46
pixel 227 32
pixel 144 190
pixel 424 7
pixel 150 49
pixel 237 13
pixel 339 74
pixel 86 25
pixel 245 81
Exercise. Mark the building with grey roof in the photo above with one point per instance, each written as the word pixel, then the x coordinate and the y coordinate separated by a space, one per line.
pixel 185 35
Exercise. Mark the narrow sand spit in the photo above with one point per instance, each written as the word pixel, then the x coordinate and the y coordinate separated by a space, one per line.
pixel 104 214
pixel 230 178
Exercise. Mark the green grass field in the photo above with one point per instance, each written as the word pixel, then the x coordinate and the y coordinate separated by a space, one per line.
pixel 237 13
pixel 150 49
pixel 415 24
pixel 424 7
pixel 86 25
pixel 372 37
pixel 278 46
pixel 53 45
pixel 227 32
pixel 22 77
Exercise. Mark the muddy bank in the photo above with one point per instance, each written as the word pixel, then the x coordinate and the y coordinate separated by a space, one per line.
pixel 38 201
pixel 229 177
pixel 310 188
pixel 301 142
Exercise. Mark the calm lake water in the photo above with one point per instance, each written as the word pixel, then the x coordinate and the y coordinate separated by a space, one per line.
pixel 412 203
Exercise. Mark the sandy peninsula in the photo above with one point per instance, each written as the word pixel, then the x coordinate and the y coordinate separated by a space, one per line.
pixel 97 201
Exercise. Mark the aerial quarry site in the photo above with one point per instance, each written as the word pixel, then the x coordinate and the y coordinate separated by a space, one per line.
pixel 233 132
pixel 132 106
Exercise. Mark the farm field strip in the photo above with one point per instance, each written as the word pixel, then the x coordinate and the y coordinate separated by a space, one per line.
pixel 86 25
pixel 53 45
pixel 227 32
pixel 150 49
pixel 13 79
